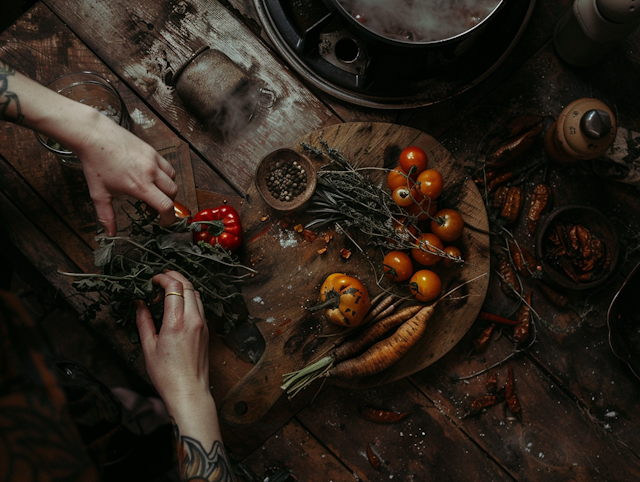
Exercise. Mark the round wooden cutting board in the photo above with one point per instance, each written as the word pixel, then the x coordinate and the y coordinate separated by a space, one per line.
pixel 291 269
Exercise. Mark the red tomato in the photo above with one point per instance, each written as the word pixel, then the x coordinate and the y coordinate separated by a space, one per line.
pixel 397 266
pixel 430 183
pixel 425 285
pixel 413 157
pixel 402 197
pixel 447 225
pixel 398 178
pixel 427 252
pixel 453 252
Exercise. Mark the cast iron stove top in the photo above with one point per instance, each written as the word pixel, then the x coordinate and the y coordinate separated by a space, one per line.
pixel 329 52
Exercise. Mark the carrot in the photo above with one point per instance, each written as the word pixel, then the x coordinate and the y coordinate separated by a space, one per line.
pixel 379 308
pixel 374 332
pixel 387 352
pixel 293 382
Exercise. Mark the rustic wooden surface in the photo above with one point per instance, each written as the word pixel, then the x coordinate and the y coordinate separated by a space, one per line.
pixel 290 275
pixel 578 420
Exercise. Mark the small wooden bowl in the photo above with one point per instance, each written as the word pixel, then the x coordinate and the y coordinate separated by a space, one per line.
pixel 268 164
pixel 599 227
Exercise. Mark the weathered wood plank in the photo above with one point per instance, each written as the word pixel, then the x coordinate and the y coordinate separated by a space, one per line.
pixel 295 449
pixel 574 346
pixel 147 42
pixel 553 439
pixel 42 47
pixel 423 446
pixel 49 260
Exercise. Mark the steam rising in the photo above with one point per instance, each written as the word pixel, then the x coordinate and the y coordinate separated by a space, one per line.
pixel 419 20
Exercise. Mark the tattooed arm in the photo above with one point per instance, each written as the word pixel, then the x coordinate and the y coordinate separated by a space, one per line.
pixel 177 360
pixel 114 160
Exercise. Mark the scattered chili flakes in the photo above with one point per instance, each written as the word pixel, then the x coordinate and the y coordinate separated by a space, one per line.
pixel 322 250
pixel 298 228
pixel 345 253
pixel 264 218
pixel 380 416
pixel 328 237
pixel 309 235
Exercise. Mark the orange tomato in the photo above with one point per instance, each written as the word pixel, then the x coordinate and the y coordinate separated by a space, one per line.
pixel 447 225
pixel 429 245
pixel 430 183
pixel 404 231
pixel 413 157
pixel 397 177
pixel 397 266
pixel 425 210
pixel 425 285
pixel 453 252
pixel 402 197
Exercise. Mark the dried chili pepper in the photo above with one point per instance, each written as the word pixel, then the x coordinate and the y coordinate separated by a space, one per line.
pixel 500 197
pixel 492 383
pixel 485 177
pixel 380 416
pixel 483 340
pixel 510 392
pixel 540 202
pixel 552 295
pixel 509 283
pixel 485 315
pixel 521 332
pixel 513 148
pixel 522 123
pixel 373 458
pixel 512 205
pixel 524 262
pixel 498 180
pixel 483 402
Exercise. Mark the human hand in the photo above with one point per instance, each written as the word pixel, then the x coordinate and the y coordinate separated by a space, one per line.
pixel 117 162
pixel 177 358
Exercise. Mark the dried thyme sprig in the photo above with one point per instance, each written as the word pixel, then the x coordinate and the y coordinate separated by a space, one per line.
pixel 129 262
pixel 346 196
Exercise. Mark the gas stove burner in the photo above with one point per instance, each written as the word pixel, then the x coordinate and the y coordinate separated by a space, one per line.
pixel 333 55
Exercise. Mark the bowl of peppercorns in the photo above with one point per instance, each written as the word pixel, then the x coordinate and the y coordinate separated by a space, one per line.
pixel 285 179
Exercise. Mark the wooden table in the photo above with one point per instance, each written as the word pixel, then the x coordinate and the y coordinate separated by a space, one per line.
pixel 578 400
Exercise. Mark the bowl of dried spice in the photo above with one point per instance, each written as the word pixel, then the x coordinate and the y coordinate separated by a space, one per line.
pixel 577 247
pixel 285 179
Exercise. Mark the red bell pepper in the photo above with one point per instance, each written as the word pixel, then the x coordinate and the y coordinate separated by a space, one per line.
pixel 219 225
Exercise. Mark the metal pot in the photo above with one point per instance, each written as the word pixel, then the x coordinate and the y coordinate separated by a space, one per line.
pixel 458 41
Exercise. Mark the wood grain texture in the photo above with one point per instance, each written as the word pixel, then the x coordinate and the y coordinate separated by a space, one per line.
pixel 147 42
pixel 291 270
pixel 423 446
pixel 33 46
pixel 555 438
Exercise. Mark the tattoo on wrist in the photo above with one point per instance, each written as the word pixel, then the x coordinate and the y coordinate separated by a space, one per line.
pixel 195 463
pixel 9 103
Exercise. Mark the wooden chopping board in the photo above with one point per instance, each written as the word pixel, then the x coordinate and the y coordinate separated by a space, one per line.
pixel 292 268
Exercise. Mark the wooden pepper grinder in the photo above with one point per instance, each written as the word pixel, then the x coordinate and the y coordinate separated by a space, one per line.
pixel 584 130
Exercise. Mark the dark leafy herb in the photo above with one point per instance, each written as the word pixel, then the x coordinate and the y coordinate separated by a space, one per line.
pixel 346 197
pixel 130 262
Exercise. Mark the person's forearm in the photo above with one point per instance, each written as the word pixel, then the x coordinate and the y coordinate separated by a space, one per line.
pixel 201 454
pixel 29 104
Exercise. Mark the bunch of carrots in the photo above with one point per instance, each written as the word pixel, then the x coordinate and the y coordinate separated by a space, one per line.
pixel 372 347
pixel 367 352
